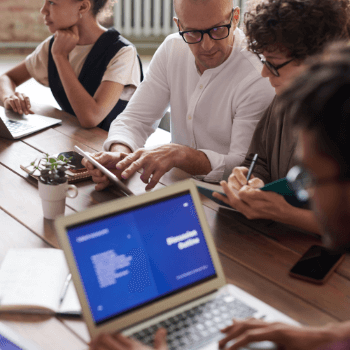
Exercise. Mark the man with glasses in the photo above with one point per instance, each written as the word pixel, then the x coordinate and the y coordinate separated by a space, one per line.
pixel 215 91
pixel 283 34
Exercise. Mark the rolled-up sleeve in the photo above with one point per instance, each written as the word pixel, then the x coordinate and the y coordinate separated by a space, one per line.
pixel 145 109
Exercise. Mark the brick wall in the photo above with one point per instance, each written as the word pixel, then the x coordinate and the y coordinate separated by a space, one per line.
pixel 20 20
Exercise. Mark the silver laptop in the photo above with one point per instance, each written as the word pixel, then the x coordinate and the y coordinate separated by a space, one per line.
pixel 15 126
pixel 10 340
pixel 149 261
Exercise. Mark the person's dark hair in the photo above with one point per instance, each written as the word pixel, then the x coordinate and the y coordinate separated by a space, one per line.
pixel 319 101
pixel 302 27
pixel 98 6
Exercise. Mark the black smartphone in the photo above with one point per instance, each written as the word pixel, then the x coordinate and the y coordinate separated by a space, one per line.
pixel 316 265
pixel 76 159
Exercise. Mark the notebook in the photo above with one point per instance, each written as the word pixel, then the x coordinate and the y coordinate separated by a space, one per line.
pixel 149 261
pixel 9 340
pixel 15 126
pixel 34 281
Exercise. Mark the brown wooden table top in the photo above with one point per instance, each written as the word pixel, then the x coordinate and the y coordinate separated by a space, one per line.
pixel 256 255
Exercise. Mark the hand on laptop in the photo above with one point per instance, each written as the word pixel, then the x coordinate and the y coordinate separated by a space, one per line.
pixel 120 342
pixel 284 336
pixel 108 160
pixel 19 103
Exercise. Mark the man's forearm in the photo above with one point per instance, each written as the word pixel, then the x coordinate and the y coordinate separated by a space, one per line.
pixel 119 147
pixel 192 161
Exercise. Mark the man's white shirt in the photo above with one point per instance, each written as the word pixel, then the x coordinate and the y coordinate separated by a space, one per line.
pixel 215 112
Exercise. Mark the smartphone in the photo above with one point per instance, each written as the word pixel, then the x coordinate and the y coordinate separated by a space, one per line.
pixel 75 160
pixel 316 265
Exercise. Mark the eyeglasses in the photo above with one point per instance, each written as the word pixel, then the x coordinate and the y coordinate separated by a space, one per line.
pixel 303 183
pixel 215 33
pixel 273 69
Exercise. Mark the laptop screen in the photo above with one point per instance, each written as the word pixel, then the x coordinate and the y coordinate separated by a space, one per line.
pixel 135 257
pixel 5 344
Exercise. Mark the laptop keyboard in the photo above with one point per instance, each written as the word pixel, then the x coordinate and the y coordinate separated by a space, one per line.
pixel 199 325
pixel 15 126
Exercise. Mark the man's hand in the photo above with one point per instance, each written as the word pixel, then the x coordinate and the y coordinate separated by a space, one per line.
pixel 65 41
pixel 19 103
pixel 238 179
pixel 155 163
pixel 285 336
pixel 119 342
pixel 109 160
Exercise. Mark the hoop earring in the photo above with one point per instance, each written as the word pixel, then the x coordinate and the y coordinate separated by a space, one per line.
pixel 81 16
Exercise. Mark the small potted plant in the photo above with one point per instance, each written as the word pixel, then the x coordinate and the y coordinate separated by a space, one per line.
pixel 53 184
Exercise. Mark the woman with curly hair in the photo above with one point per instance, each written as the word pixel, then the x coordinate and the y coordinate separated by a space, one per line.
pixel 91 71
pixel 283 34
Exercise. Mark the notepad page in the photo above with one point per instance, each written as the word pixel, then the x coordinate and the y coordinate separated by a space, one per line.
pixel 32 277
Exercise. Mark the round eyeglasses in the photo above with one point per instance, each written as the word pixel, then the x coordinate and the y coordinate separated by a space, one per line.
pixel 215 33
pixel 273 69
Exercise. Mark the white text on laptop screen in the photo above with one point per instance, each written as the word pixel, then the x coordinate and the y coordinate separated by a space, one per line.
pixel 134 257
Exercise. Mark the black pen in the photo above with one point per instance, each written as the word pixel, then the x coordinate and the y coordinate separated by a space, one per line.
pixel 252 165
pixel 65 287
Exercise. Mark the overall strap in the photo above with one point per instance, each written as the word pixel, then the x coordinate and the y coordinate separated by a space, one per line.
pixel 105 48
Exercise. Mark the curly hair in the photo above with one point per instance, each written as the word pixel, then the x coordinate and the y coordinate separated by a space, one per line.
pixel 319 101
pixel 302 27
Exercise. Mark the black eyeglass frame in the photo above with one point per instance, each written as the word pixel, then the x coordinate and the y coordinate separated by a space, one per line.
pixel 273 69
pixel 207 31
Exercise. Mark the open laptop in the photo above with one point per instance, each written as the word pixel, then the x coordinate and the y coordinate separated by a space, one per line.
pixel 149 261
pixel 15 126
pixel 10 340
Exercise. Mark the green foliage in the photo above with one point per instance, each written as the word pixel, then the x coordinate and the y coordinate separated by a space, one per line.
pixel 52 169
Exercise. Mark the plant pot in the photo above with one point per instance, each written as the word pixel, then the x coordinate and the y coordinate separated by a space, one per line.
pixel 53 198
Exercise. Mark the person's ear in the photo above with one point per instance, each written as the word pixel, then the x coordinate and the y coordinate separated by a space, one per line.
pixel 176 20
pixel 85 7
pixel 236 15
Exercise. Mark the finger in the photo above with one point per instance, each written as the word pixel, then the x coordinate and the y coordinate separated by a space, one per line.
pixel 109 342
pixel 232 197
pixel 102 185
pixel 23 102
pixel 257 335
pixel 127 161
pixel 132 169
pixel 126 342
pixel 160 339
pixel 232 180
pixel 241 174
pixel 221 198
pixel 147 174
pixel 256 183
pixel 12 104
pixel 155 179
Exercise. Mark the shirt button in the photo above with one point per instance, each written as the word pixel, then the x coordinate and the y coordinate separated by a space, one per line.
pixel 189 117
pixel 192 144
pixel 201 87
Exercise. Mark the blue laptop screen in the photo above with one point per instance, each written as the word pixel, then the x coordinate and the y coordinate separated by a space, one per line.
pixel 5 344
pixel 135 257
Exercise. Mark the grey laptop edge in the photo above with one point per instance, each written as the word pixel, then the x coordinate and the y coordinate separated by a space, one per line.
pixel 14 125
pixel 149 261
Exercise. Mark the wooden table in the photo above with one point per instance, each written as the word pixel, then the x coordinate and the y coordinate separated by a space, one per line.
pixel 256 255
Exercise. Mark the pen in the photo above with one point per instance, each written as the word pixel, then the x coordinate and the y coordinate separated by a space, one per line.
pixel 252 165
pixel 65 287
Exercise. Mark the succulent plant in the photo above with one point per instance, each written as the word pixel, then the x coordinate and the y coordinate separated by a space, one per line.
pixel 52 169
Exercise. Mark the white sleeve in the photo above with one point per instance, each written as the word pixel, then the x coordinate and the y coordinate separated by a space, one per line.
pixel 255 97
pixel 146 107
pixel 124 67
pixel 37 63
